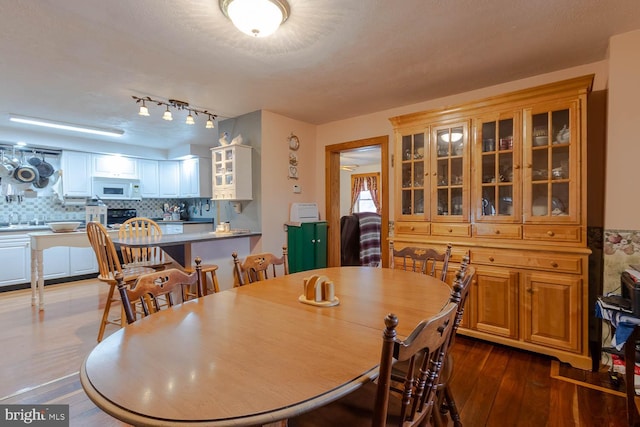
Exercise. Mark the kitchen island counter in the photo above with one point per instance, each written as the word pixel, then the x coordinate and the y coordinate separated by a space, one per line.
pixel 210 246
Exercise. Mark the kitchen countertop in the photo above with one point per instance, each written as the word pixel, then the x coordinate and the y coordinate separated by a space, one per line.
pixel 5 228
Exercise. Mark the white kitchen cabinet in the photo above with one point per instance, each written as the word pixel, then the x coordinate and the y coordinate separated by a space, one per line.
pixel 171 228
pixel 231 172
pixel 169 178
pixel 195 178
pixel 81 261
pixel 76 170
pixel 16 260
pixel 110 166
pixel 55 263
pixel 148 170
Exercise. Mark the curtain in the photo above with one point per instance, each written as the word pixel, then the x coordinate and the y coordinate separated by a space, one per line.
pixel 356 188
pixel 372 186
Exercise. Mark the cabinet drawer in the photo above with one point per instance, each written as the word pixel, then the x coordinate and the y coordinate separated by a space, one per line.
pixel 458 230
pixel 560 233
pixel 542 261
pixel 498 231
pixel 415 227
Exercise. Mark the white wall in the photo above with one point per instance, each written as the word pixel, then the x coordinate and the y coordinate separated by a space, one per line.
pixel 623 144
pixel 277 187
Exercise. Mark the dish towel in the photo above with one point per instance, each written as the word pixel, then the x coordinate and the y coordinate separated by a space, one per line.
pixel 369 238
pixel 623 323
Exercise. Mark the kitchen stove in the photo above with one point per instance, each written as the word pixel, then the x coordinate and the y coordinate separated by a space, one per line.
pixel 118 216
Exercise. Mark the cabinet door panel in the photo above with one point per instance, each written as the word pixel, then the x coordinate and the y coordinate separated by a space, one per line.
pixel 55 262
pixel 498 146
pixel 494 307
pixel 552 164
pixel 82 261
pixel 450 176
pixel 16 262
pixel 412 151
pixel 552 310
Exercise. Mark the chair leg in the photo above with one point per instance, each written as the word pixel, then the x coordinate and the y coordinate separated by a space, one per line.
pixel 105 315
pixel 451 406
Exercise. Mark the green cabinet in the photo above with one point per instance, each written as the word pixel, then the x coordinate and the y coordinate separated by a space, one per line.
pixel 307 246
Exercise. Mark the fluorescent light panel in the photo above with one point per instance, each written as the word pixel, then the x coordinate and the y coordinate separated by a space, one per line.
pixel 65 126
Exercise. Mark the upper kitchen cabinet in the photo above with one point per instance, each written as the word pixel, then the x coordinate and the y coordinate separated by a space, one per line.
pixel 195 178
pixel 169 178
pixel 76 170
pixel 110 166
pixel 231 172
pixel 148 171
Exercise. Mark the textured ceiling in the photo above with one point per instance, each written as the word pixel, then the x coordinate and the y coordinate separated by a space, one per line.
pixel 80 61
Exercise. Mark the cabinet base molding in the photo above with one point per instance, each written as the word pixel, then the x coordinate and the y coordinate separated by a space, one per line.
pixel 579 361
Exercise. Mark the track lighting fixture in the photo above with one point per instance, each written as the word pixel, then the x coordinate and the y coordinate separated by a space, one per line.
pixel 178 105
pixel 144 111
pixel 167 114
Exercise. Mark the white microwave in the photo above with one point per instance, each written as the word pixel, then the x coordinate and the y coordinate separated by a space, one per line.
pixel 116 188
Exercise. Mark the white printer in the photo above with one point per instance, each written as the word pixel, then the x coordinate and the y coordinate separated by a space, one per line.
pixel 303 212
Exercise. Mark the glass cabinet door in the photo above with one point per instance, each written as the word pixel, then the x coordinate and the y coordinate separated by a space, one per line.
pixel 498 172
pixel 450 173
pixel 551 176
pixel 412 179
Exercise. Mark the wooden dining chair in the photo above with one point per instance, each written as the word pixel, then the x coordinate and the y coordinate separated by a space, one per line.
pixel 148 288
pixel 422 260
pixel 459 294
pixel 373 403
pixel 152 256
pixel 257 266
pixel 108 267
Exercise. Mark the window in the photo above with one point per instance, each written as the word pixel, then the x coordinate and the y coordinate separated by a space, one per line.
pixel 365 194
pixel 364 203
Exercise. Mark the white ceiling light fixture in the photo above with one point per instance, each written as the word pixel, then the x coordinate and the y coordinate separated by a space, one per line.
pixel 455 136
pixel 178 105
pixel 33 121
pixel 257 18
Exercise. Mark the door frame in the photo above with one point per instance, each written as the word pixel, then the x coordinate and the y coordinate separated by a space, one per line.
pixel 332 194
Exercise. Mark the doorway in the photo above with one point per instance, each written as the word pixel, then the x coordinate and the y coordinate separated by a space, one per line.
pixel 332 194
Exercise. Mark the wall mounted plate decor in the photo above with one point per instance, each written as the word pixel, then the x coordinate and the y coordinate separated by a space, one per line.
pixel 294 142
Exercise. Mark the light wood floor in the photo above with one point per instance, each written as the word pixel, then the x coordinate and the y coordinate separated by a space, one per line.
pixel 41 353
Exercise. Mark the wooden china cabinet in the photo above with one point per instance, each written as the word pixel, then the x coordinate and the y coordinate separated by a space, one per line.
pixel 504 178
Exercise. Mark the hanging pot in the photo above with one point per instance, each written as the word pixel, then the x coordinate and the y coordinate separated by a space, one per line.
pixel 45 169
pixel 6 168
pixel 41 182
pixel 34 161
pixel 25 173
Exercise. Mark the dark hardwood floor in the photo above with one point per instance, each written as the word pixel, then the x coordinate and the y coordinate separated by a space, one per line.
pixel 41 353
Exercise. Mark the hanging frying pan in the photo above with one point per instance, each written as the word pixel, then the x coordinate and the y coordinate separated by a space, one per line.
pixel 45 169
pixel 25 173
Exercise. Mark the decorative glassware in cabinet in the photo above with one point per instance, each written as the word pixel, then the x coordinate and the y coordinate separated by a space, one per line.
pixel 497 169
pixel 551 164
pixel 412 185
pixel 449 171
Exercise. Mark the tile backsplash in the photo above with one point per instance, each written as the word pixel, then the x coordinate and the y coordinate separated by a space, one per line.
pixel 45 209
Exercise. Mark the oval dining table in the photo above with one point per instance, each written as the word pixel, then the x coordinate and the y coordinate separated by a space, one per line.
pixel 255 355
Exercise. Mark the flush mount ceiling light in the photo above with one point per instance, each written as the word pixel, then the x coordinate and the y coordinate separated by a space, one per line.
pixel 177 105
pixel 257 18
pixel 33 121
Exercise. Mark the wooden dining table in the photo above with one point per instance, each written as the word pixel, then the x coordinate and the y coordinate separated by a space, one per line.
pixel 255 354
